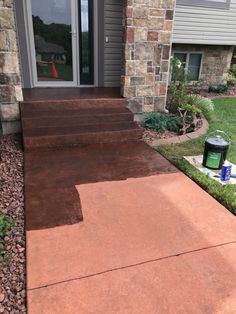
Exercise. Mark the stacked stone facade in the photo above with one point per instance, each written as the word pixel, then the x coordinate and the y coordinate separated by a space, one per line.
pixel 216 61
pixel 10 83
pixel 147 34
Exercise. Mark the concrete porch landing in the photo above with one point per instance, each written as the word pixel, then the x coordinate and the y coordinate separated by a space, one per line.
pixel 151 241
pixel 69 93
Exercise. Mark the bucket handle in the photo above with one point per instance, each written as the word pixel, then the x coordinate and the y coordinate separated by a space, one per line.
pixel 219 132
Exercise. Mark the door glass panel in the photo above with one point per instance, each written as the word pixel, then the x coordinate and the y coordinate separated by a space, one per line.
pixel 86 41
pixel 53 41
pixel 194 66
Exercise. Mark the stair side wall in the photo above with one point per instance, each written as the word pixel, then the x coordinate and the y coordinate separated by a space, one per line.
pixel 10 82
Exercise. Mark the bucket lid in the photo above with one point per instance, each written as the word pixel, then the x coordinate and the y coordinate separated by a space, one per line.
pixel 218 142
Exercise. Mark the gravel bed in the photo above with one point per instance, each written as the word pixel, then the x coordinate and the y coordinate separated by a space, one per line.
pixel 12 267
pixel 150 135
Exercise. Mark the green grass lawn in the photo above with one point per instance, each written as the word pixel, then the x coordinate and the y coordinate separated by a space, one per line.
pixel 225 120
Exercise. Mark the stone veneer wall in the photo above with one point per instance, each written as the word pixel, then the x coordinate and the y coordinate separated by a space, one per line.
pixel 216 61
pixel 148 34
pixel 10 83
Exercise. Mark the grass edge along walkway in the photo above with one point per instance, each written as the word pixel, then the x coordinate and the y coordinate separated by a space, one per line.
pixel 225 119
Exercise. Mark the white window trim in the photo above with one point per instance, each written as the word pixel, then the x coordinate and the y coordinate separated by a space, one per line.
pixel 188 53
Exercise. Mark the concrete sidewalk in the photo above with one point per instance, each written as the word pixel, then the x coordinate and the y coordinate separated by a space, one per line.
pixel 149 243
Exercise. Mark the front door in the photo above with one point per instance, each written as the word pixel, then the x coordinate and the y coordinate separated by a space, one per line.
pixel 61 42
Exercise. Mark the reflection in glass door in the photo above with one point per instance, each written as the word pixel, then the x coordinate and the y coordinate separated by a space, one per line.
pixel 53 34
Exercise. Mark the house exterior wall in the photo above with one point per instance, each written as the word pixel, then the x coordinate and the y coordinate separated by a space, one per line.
pixel 113 46
pixel 216 61
pixel 144 54
pixel 10 83
pixel 205 25
pixel 148 35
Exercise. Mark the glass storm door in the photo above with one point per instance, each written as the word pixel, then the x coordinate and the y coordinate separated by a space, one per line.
pixel 61 40
pixel 86 42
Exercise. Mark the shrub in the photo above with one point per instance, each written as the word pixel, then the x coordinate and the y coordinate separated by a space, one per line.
pixel 232 70
pixel 189 118
pixel 190 112
pixel 5 225
pixel 161 122
pixel 220 89
pixel 178 88
pixel 231 80
pixel 205 105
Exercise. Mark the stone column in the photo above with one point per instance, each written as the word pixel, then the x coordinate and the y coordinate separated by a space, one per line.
pixel 10 83
pixel 148 35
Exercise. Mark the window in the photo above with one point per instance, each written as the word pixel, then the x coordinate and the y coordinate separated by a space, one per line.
pixel 191 62
pixel 216 4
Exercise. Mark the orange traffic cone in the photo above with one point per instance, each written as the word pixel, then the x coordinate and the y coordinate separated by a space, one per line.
pixel 54 71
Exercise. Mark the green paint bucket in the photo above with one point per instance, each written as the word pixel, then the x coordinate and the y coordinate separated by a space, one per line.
pixel 216 148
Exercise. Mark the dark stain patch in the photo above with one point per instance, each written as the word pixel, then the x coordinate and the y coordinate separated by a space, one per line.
pixel 51 175
pixel 47 94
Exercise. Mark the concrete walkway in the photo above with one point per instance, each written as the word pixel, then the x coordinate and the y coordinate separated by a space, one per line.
pixel 151 240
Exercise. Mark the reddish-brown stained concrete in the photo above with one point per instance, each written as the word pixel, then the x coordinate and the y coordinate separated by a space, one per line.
pixel 196 283
pixel 128 222
pixel 47 94
pixel 51 176
pixel 151 241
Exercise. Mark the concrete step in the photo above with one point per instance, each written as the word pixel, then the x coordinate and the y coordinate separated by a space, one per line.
pixel 39 105
pixel 81 135
pixel 75 117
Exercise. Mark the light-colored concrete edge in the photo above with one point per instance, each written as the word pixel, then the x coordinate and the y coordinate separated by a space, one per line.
pixel 11 127
pixel 182 138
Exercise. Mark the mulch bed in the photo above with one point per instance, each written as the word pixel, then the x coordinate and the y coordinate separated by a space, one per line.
pixel 231 92
pixel 149 136
pixel 12 266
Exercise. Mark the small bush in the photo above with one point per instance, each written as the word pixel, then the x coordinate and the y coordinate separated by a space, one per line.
pixel 5 225
pixel 161 122
pixel 231 80
pixel 178 88
pixel 220 89
pixel 205 105
pixel 232 70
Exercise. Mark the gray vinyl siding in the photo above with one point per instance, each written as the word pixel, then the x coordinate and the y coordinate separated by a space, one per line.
pixel 113 50
pixel 201 25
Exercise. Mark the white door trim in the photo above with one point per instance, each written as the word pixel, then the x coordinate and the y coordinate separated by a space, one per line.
pixel 75 48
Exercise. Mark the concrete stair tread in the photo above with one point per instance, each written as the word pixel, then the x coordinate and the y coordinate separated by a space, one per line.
pixel 72 104
pixel 35 114
pixel 75 120
pixel 81 129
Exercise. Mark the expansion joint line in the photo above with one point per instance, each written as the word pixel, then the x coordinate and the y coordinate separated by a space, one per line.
pixel 131 266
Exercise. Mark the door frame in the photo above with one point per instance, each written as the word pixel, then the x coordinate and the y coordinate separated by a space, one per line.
pixel 75 47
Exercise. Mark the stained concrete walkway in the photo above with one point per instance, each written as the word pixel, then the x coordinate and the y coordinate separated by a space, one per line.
pixel 151 240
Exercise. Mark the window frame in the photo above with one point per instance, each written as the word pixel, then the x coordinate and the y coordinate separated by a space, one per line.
pixel 188 53
pixel 206 4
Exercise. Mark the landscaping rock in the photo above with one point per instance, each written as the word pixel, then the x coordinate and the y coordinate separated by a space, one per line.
pixel 12 266
pixel 150 135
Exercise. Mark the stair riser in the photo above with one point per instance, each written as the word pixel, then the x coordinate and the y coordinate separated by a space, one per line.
pixel 70 121
pixel 73 104
pixel 82 139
